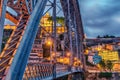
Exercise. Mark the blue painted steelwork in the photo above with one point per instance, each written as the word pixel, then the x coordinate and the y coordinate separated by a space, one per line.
pixel 54 34
pixel 70 32
pixel 19 63
pixel 29 7
pixel 80 31
pixel 33 2
pixel 20 60
pixel 3 4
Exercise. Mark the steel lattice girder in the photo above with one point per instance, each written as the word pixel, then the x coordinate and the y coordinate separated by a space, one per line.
pixel 74 10
pixel 20 60
pixel 21 57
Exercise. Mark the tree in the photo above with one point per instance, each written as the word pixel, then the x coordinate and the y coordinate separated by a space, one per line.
pixel 102 64
pixel 106 36
pixel 106 65
pixel 98 36
pixel 60 20
pixel 109 65
pixel 50 18
pixel 105 75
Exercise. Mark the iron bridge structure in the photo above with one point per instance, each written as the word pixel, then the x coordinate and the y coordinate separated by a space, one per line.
pixel 15 61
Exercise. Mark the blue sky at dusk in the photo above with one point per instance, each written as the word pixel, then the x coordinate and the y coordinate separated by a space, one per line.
pixel 99 17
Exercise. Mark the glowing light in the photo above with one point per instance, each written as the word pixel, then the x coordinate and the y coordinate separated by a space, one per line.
pixel 53 54
pixel 49 41
pixel 68 54
pixel 75 58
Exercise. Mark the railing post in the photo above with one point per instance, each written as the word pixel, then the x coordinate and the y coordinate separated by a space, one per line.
pixel 54 70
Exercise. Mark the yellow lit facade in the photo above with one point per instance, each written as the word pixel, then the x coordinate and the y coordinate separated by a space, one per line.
pixel 109 55
pixel 109 46
pixel 116 67
pixel 64 60
pixel 47 25
pixel 10 27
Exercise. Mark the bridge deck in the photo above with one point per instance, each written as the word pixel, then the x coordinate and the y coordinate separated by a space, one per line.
pixel 58 74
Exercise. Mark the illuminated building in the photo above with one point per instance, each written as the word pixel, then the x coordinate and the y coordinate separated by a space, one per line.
pixel 8 30
pixel 47 25
pixel 12 27
pixel 116 67
pixel 109 55
pixel 109 46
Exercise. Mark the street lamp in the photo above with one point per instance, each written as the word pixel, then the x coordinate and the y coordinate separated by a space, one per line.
pixel 75 58
pixel 49 41
pixel 53 54
pixel 68 54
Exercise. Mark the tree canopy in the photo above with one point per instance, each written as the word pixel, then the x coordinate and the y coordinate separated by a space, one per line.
pixel 60 20
pixel 106 36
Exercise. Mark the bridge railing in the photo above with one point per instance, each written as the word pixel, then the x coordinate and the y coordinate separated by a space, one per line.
pixel 46 70
pixel 38 71
pixel 61 68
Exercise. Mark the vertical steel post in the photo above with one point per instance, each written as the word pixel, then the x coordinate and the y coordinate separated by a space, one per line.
pixel 3 4
pixel 70 34
pixel 80 32
pixel 54 33
pixel 32 4
pixel 76 38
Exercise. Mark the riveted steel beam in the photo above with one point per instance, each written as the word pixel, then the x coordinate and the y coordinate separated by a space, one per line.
pixel 21 57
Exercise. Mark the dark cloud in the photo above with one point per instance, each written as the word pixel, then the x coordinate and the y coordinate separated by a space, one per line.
pixel 100 17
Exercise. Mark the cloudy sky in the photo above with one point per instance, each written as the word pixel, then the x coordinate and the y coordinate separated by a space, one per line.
pixel 100 17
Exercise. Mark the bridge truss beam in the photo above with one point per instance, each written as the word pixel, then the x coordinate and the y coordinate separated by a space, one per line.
pixel 21 53
pixel 20 60
pixel 74 22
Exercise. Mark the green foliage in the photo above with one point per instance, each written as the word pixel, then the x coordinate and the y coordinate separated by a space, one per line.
pixel 109 65
pixel 106 65
pixel 102 64
pixel 5 39
pixel 106 36
pixel 50 18
pixel 98 36
pixel 105 75
pixel 60 20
